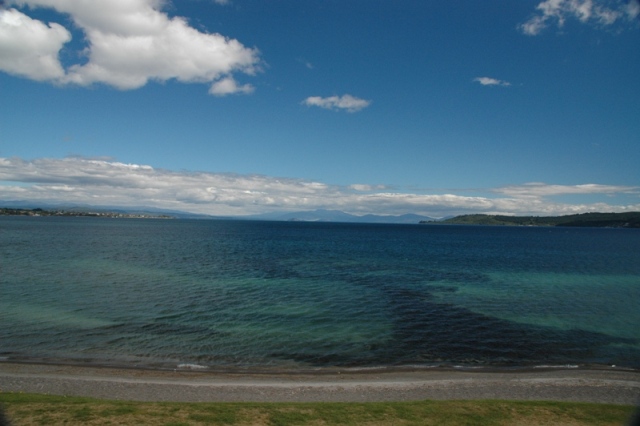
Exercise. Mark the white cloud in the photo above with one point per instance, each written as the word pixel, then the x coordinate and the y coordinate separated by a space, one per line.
pixel 488 81
pixel 111 183
pixel 345 102
pixel 537 189
pixel 598 12
pixel 29 47
pixel 366 188
pixel 129 43
pixel 633 9
pixel 227 86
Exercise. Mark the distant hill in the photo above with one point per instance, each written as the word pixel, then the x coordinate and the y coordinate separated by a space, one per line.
pixel 609 220
pixel 322 215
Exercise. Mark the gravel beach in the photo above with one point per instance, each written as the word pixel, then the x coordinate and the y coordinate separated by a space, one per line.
pixel 613 386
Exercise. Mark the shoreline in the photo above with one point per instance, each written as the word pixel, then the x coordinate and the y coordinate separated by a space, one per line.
pixel 298 369
pixel 597 385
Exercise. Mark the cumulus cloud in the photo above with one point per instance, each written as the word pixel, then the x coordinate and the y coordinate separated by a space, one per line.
pixel 101 182
pixel 346 102
pixel 227 86
pixel 598 12
pixel 129 43
pixel 29 47
pixel 489 81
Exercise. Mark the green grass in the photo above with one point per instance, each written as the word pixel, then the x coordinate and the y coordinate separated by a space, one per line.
pixel 35 409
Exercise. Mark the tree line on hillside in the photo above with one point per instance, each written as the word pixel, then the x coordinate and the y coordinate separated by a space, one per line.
pixel 602 220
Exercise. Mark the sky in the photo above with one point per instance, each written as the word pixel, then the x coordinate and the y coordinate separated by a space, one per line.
pixel 239 107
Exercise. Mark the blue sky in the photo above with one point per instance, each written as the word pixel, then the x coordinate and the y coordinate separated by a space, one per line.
pixel 367 106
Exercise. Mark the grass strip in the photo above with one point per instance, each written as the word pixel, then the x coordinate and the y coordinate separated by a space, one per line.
pixel 35 409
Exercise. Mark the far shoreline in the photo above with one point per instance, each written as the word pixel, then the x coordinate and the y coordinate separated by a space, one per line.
pixel 597 384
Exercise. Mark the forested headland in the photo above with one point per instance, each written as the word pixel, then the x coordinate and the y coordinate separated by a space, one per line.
pixel 601 220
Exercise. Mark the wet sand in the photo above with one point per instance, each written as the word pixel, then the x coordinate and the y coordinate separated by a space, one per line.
pixel 613 386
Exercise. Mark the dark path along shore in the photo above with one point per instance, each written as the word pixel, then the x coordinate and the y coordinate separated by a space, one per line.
pixel 584 385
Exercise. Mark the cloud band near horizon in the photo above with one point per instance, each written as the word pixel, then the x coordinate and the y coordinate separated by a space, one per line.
pixel 113 184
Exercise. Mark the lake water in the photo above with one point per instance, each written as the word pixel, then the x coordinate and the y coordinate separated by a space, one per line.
pixel 296 295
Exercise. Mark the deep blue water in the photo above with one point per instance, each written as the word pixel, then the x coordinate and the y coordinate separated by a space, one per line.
pixel 295 295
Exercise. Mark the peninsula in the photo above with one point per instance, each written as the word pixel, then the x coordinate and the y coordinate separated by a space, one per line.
pixel 80 213
pixel 600 220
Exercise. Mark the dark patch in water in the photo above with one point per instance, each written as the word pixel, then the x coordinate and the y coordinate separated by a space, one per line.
pixel 427 332
pixel 431 332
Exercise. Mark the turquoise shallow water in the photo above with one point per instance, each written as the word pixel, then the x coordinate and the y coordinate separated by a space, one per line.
pixel 290 295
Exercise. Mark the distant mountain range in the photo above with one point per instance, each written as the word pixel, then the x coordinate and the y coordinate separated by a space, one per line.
pixel 322 215
pixel 613 220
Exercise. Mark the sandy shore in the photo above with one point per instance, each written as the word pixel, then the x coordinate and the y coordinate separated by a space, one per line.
pixel 586 385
